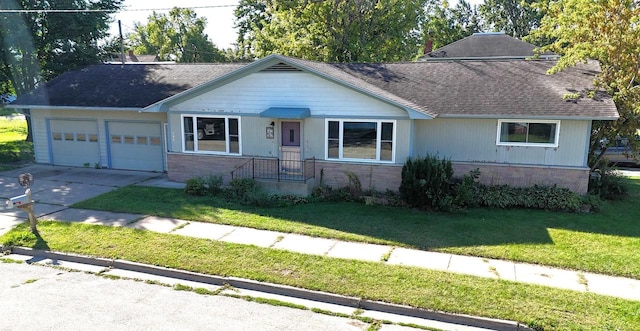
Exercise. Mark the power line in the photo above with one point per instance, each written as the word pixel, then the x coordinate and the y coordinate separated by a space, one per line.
pixel 26 11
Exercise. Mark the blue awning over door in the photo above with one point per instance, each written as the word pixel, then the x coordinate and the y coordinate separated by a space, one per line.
pixel 288 113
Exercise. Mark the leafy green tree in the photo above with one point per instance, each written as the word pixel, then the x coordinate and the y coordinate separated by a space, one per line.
pixel 607 31
pixel 340 30
pixel 178 36
pixel 40 44
pixel 444 24
pixel 251 16
pixel 515 17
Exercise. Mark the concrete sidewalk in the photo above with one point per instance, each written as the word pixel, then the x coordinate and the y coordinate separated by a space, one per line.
pixel 482 267
pixel 59 187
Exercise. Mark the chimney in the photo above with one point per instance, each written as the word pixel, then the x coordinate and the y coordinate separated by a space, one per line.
pixel 428 46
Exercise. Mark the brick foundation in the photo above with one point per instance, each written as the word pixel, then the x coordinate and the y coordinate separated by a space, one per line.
pixel 181 167
pixel 575 179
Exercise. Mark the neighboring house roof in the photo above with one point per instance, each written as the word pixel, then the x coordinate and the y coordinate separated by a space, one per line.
pixel 486 89
pixel 486 45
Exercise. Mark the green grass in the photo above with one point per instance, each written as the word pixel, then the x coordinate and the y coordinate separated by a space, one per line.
pixel 537 306
pixel 13 146
pixel 605 242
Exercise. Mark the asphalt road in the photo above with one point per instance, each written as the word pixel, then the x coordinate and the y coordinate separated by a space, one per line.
pixel 45 298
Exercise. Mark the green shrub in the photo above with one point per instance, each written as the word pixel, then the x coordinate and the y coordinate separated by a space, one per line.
pixel 535 197
pixel 213 184
pixel 195 186
pixel 428 183
pixel 241 188
pixel 608 184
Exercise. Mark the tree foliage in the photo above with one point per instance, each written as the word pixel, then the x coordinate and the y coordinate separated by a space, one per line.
pixel 37 46
pixel 516 18
pixel 444 24
pixel 607 31
pixel 251 17
pixel 338 30
pixel 178 36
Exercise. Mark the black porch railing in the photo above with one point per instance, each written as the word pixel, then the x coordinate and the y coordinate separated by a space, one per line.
pixel 276 169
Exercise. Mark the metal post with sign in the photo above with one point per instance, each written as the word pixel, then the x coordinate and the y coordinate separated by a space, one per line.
pixel 25 201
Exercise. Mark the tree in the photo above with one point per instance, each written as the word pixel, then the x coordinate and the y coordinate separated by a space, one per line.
pixel 515 18
pixel 178 36
pixel 251 16
pixel 38 45
pixel 340 30
pixel 607 31
pixel 444 25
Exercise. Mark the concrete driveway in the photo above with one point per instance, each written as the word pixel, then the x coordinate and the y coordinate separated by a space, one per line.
pixel 55 188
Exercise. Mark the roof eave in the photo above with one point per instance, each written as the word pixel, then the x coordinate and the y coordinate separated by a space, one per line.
pixel 525 116
pixel 18 106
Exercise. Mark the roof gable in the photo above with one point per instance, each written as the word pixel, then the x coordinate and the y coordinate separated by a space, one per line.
pixel 278 62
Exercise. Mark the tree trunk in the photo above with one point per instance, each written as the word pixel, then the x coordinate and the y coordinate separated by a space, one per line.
pixel 27 116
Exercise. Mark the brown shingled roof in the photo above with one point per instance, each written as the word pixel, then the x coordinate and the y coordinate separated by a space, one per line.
pixel 501 88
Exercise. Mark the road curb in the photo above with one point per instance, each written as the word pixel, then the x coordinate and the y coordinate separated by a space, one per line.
pixel 246 284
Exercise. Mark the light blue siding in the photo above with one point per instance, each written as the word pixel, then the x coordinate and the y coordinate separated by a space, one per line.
pixel 474 140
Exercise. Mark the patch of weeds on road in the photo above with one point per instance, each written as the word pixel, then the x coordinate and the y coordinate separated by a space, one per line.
pixel 8 260
pixel 273 302
pixel 357 312
pixel 204 291
pixel 329 313
pixel 416 326
pixel 29 281
pixel 108 276
pixel 180 287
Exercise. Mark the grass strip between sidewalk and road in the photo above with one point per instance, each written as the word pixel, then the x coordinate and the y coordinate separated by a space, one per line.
pixel 537 306
pixel 604 242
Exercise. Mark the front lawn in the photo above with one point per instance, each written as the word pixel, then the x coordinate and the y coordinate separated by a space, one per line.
pixel 605 242
pixel 13 146
pixel 537 306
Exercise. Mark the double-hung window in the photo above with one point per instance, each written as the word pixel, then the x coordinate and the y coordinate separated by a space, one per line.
pixel 360 140
pixel 219 135
pixel 542 133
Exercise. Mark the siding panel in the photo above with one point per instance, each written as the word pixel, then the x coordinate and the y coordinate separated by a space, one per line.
pixel 474 140
pixel 259 91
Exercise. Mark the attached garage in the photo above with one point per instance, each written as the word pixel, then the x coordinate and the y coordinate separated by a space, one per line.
pixel 135 145
pixel 73 142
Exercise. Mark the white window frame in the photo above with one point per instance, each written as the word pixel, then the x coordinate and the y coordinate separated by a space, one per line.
pixel 378 139
pixel 195 134
pixel 529 121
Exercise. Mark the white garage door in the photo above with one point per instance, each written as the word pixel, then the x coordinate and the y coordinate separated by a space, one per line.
pixel 74 143
pixel 135 146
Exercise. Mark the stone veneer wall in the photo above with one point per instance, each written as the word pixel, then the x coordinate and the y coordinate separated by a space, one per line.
pixel 181 167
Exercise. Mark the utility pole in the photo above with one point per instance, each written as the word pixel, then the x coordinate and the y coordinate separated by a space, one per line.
pixel 121 42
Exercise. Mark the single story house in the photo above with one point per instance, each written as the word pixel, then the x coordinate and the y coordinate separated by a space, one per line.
pixel 289 120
